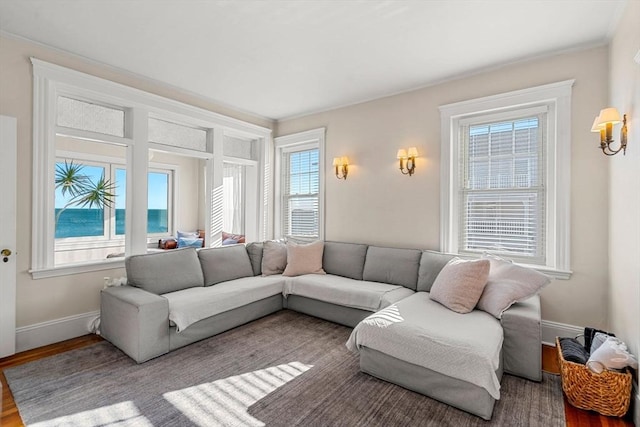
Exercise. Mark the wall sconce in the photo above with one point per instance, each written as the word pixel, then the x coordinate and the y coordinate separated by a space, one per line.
pixel 603 123
pixel 342 167
pixel 407 158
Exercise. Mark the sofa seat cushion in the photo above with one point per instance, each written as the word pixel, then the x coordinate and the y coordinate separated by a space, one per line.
pixel 420 331
pixel 188 306
pixel 370 296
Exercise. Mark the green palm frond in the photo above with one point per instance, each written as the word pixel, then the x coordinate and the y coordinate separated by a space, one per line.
pixel 100 194
pixel 70 179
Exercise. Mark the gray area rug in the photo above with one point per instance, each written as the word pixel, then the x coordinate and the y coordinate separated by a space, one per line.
pixel 282 370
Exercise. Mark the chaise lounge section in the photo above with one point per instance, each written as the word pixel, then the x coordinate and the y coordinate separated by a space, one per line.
pixel 179 297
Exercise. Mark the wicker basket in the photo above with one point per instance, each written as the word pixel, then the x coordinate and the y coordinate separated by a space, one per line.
pixel 608 393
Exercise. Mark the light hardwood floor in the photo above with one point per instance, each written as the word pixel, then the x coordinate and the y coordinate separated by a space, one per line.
pixel 11 418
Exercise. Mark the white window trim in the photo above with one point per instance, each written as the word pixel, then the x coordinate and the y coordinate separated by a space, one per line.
pixel 51 80
pixel 557 96
pixel 314 138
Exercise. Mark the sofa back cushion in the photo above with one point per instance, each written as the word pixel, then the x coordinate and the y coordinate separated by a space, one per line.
pixel 224 264
pixel 166 271
pixel 431 263
pixel 254 249
pixel 344 259
pixel 393 266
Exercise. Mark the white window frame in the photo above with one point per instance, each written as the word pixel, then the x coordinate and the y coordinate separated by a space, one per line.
pixel 556 97
pixel 50 81
pixel 301 141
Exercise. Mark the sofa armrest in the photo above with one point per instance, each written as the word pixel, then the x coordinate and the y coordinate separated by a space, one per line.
pixel 135 321
pixel 522 348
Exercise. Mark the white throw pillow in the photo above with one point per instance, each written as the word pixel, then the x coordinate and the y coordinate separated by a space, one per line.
pixel 460 283
pixel 507 284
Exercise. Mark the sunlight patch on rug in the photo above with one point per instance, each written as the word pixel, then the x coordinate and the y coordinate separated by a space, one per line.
pixel 121 414
pixel 225 402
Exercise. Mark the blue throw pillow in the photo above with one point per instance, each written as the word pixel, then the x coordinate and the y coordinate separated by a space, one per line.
pixel 189 243
pixel 229 242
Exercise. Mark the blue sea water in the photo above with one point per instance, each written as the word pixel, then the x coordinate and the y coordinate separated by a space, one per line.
pixel 90 222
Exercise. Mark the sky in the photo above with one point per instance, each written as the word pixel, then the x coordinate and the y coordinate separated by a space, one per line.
pixel 158 186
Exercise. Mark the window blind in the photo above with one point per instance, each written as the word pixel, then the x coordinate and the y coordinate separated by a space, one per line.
pixel 300 193
pixel 503 190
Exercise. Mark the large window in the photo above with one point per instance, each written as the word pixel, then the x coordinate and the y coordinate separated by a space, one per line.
pixel 502 188
pixel 506 165
pixel 138 167
pixel 300 201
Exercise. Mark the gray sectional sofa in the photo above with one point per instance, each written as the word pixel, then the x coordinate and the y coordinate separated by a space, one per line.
pixel 178 297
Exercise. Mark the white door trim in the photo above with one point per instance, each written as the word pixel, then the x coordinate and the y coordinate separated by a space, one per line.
pixel 8 170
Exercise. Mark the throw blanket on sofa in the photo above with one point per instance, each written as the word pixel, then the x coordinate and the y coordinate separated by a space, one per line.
pixel 191 305
pixel 422 332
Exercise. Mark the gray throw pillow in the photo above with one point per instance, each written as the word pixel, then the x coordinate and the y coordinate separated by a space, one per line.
pixel 254 249
pixel 460 283
pixel 507 284
pixel 274 257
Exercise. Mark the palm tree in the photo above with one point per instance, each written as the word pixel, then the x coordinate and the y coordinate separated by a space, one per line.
pixel 83 191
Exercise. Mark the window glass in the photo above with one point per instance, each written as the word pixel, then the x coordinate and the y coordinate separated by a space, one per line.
pixel 233 198
pixel 301 185
pixel 158 202
pixel 76 188
pixel 502 189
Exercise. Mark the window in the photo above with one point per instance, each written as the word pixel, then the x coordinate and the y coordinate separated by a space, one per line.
pixel 505 177
pixel 90 206
pixel 158 164
pixel 300 199
pixel 234 200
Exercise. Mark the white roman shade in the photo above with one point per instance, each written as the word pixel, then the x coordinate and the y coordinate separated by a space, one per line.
pixel 502 188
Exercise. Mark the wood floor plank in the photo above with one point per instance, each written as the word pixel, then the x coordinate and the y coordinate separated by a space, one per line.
pixel 10 417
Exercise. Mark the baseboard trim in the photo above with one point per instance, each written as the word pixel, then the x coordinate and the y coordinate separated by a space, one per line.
pixel 551 330
pixel 53 331
pixel 636 404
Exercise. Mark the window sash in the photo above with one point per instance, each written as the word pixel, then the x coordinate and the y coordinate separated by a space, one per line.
pixel 501 188
pixel 300 193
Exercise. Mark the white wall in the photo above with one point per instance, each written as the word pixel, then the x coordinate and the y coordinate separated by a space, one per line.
pixel 624 187
pixel 379 205
pixel 44 300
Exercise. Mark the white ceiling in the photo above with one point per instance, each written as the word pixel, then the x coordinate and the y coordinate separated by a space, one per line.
pixel 279 59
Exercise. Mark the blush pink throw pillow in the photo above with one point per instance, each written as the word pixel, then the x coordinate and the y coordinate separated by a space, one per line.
pixel 460 284
pixel 304 259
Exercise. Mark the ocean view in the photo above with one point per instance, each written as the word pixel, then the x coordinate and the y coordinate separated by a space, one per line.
pixel 90 222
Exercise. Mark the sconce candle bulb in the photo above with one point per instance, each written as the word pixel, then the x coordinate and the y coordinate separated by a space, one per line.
pixel 341 165
pixel 407 159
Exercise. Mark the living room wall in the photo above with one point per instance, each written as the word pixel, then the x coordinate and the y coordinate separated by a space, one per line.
pixel 624 187
pixel 379 205
pixel 50 299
